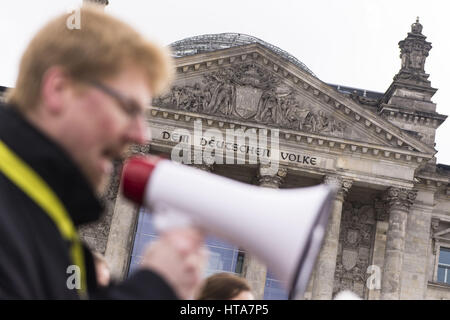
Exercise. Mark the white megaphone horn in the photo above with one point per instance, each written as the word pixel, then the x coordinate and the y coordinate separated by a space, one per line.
pixel 282 228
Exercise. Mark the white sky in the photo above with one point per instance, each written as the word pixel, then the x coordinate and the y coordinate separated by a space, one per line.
pixel 347 42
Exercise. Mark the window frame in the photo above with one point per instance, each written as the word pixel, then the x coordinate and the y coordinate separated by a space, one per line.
pixel 439 264
pixel 439 239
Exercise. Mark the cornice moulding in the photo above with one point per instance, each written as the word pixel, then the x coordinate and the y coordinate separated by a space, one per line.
pixel 291 135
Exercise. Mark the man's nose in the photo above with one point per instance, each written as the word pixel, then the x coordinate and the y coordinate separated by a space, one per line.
pixel 139 132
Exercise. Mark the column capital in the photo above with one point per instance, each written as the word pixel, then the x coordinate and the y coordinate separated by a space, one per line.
pixel 341 184
pixel 399 198
pixel 266 178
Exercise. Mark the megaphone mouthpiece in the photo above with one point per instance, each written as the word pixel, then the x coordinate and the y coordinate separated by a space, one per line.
pixel 135 175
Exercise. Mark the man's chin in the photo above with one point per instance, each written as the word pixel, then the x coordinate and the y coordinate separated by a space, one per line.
pixel 102 185
pixel 101 180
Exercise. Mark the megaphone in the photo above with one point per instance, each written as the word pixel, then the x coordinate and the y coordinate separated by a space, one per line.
pixel 282 228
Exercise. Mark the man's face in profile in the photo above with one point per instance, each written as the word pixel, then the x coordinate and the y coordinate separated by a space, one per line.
pixel 106 118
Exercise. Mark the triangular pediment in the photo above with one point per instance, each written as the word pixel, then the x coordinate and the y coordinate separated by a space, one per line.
pixel 253 84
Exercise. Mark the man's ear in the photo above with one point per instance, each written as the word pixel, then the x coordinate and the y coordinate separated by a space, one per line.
pixel 55 88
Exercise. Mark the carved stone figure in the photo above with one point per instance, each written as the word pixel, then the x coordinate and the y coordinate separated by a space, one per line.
pixel 295 116
pixel 224 96
pixel 321 121
pixel 267 107
pixel 250 92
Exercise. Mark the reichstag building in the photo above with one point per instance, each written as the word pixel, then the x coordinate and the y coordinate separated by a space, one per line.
pixel 389 232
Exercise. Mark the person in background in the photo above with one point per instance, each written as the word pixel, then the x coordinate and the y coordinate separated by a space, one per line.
pixel 225 286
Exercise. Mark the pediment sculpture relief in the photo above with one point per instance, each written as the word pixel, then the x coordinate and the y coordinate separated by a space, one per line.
pixel 248 92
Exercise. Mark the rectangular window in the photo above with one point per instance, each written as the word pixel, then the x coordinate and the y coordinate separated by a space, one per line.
pixel 223 256
pixel 240 262
pixel 443 275
pixel 274 289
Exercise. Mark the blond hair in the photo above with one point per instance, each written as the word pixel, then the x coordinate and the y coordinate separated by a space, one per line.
pixel 100 49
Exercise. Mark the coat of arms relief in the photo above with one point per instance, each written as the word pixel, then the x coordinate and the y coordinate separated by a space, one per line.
pixel 248 92
pixel 355 248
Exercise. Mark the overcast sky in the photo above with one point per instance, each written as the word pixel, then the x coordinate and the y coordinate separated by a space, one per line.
pixel 347 42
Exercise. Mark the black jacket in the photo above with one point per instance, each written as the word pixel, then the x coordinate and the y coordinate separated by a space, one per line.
pixel 33 255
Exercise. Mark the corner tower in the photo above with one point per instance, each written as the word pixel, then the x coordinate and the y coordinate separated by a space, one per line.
pixel 407 102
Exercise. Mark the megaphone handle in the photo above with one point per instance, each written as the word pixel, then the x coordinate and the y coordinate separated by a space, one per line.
pixel 166 218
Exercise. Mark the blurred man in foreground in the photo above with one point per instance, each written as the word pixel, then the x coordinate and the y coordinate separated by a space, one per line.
pixel 78 103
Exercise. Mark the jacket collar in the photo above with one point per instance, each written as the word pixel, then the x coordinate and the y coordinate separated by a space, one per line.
pixel 52 163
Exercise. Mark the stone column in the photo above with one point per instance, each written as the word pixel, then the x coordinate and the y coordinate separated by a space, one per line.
pixel 398 202
pixel 309 288
pixel 122 228
pixel 253 270
pixel 121 236
pixel 415 266
pixel 326 262
pixel 96 234
pixel 379 248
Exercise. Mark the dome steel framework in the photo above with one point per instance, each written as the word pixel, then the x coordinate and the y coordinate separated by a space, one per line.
pixel 214 42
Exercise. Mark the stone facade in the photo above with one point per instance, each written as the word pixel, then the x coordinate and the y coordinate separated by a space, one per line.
pixel 392 212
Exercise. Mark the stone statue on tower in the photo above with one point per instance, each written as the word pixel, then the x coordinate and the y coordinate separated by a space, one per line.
pixel 414 51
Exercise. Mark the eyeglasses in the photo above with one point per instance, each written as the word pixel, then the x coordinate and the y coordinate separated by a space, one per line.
pixel 128 105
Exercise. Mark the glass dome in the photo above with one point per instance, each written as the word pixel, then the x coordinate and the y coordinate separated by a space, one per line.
pixel 214 42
